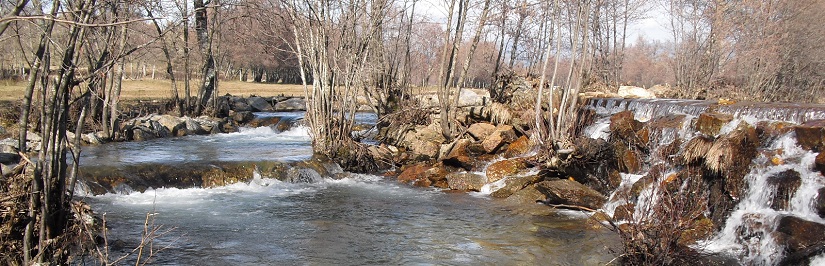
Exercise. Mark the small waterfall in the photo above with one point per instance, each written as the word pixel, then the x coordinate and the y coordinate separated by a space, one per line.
pixel 754 214
pixel 748 231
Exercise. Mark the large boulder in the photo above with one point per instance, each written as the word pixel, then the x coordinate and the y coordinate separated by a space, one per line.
pixel 466 181
pixel 423 141
pixel 437 176
pixel 461 156
pixel 259 104
pixel 811 135
pixel 290 105
pixel 801 238
pixel 529 195
pixel 239 104
pixel 635 92
pixel 413 173
pixel 242 117
pixel 504 134
pixel 172 124
pixel 193 127
pixel 302 175
pixel 480 131
pixel 569 192
pixel 469 97
pixel 519 147
pixel 515 184
pixel 501 169
pixel 711 123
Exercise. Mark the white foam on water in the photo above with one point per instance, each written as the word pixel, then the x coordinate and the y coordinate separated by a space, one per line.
pixel 599 129
pixel 818 260
pixel 298 133
pixel 489 188
pixel 747 231
pixel 195 196
pixel 620 195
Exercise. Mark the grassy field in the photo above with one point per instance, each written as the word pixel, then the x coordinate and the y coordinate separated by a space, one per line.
pixel 162 89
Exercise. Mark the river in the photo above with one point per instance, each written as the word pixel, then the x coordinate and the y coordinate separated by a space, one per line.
pixel 357 220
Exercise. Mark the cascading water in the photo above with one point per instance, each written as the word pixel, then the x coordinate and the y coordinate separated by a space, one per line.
pixel 748 231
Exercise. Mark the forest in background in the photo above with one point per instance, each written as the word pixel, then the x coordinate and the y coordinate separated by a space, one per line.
pixel 754 50
pixel 74 55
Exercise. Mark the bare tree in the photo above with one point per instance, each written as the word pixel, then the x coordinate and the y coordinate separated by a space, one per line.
pixel 332 42
pixel 208 72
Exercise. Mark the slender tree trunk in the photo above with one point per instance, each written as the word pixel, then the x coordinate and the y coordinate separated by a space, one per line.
pixel 208 74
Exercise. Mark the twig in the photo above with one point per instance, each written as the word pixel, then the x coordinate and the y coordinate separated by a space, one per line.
pixel 14 18
pixel 572 207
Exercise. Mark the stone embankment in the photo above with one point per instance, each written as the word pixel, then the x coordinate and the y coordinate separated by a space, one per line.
pixel 233 112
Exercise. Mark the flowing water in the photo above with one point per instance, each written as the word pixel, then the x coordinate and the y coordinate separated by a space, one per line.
pixel 357 220
pixel 746 234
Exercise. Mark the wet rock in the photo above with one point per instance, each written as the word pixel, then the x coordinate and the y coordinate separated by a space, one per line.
pixel 460 156
pixel 811 135
pixel 710 123
pixel 264 121
pixel 242 117
pixel 624 125
pixel 413 173
pixel 568 192
pixel 819 204
pixel 321 164
pixel 466 181
pixel 259 104
pixel 502 169
pixel 480 131
pixel 667 122
pixel 222 176
pixel 515 184
pixel 819 163
pixel 629 161
pixel 302 175
pixel 503 134
pixel 519 147
pixel 528 195
pixel 801 235
pixel 635 92
pixel 291 105
pixel 772 129
pixel 438 176
pixel 786 183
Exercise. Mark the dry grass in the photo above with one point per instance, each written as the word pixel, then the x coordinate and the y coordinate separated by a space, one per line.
pixel 162 89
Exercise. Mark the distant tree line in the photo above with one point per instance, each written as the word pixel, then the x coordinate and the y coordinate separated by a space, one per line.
pixel 73 56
